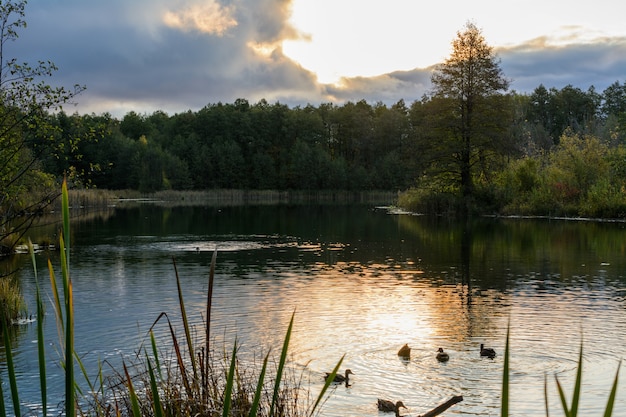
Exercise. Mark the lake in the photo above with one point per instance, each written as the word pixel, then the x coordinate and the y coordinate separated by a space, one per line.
pixel 362 281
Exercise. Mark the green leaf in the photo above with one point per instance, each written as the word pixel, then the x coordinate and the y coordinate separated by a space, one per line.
pixel 504 412
pixel 134 401
pixel 329 381
pixel 11 370
pixel 281 365
pixel 577 386
pixel 41 351
pixel 609 406
pixel 183 313
pixel 228 392
pixel 259 389
pixel 158 408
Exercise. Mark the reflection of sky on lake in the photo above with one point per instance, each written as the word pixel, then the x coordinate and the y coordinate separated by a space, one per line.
pixel 365 296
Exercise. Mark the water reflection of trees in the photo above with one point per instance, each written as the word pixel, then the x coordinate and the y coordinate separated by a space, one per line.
pixel 491 253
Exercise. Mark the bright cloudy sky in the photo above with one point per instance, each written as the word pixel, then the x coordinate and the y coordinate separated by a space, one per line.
pixel 179 55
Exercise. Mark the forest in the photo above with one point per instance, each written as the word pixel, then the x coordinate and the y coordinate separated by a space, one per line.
pixel 470 145
pixel 353 146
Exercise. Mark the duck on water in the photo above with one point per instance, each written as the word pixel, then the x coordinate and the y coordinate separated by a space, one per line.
pixel 390 406
pixel 488 352
pixel 340 378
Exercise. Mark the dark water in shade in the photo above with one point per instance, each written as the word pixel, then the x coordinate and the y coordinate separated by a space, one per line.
pixel 362 282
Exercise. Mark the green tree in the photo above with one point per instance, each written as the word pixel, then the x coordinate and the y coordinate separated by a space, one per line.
pixel 472 118
pixel 25 101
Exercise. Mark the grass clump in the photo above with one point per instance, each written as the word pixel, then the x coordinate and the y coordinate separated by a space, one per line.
pixel 12 303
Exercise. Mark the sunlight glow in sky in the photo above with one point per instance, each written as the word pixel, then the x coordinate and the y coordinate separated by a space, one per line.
pixel 343 38
pixel 147 55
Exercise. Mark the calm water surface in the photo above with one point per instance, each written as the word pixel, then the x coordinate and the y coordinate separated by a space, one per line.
pixel 362 282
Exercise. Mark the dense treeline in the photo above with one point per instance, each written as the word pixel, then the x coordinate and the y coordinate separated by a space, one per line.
pixel 356 146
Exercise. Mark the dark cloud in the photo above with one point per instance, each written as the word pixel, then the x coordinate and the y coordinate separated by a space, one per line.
pixel 146 55
pixel 599 63
pixel 387 88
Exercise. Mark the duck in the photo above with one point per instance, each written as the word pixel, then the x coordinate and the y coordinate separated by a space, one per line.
pixel 339 377
pixel 442 356
pixel 386 405
pixel 405 351
pixel 488 352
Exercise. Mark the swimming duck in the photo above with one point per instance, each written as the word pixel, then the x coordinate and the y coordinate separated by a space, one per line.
pixel 442 356
pixel 386 405
pixel 405 351
pixel 341 378
pixel 488 352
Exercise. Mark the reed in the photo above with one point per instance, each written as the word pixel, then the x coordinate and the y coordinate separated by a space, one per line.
pixel 12 303
pixel 568 410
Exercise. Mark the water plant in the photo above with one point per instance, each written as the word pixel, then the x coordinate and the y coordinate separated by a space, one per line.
pixel 568 410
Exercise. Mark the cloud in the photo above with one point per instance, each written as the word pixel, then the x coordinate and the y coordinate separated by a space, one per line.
pixel 148 55
pixel 598 62
pixel 387 88
pixel 208 17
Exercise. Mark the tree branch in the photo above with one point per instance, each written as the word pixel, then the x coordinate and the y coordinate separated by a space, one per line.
pixel 443 407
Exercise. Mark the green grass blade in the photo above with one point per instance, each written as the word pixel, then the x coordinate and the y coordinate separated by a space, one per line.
pixel 545 394
pixel 65 209
pixel 156 355
pixel 504 411
pixel 83 370
pixel 281 365
pixel 562 397
pixel 41 351
pixel 259 388
pixel 228 392
pixel 134 401
pixel 609 406
pixel 58 311
pixel 69 306
pixel 209 302
pixel 3 410
pixel 11 371
pixel 329 381
pixel 577 387
pixel 156 400
pixel 183 313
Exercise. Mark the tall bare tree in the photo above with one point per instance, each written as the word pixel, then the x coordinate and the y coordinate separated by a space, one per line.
pixel 471 117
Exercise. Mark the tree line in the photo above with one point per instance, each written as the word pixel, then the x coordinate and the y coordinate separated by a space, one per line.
pixel 469 144
pixel 354 146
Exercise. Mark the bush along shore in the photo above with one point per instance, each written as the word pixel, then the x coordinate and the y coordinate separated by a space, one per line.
pixel 199 380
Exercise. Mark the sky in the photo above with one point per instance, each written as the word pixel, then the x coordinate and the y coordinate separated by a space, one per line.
pixel 179 55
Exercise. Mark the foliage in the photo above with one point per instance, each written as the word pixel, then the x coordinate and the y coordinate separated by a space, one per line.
pixel 12 303
pixel 472 112
pixel 25 100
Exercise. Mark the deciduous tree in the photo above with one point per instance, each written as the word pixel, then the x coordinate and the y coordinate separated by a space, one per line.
pixel 25 100
pixel 472 113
